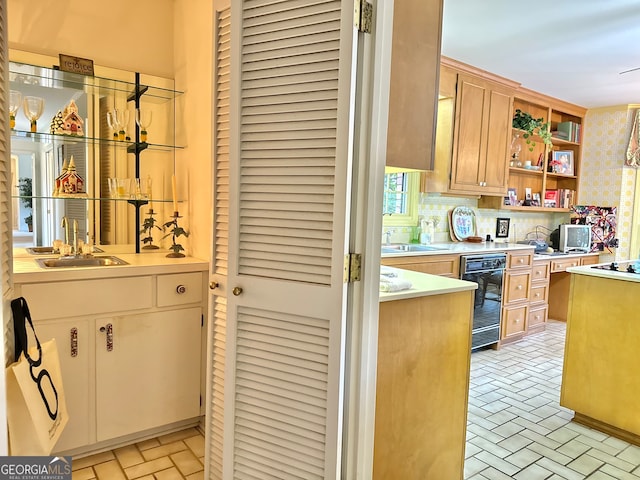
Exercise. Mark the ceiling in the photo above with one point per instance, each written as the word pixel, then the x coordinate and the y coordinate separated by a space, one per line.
pixel 573 50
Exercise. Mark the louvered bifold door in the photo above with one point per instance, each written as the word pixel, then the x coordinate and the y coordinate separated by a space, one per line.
pixel 291 103
pixel 220 250
pixel 6 258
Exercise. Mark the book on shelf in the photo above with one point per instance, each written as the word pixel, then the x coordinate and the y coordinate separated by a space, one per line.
pixel 551 198
pixel 513 196
pixel 568 131
pixel 566 197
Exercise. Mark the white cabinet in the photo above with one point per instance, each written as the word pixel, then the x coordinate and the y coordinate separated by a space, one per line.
pixel 130 352
pixel 147 371
pixel 75 349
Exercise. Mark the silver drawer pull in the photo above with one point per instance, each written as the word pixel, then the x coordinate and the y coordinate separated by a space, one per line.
pixel 74 341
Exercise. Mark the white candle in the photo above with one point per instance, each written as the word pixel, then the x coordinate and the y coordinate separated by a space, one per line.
pixel 149 194
pixel 173 190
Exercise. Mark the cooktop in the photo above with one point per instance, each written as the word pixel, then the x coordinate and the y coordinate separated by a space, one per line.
pixel 631 266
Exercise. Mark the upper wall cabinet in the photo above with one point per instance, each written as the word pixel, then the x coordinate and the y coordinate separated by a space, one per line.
pixel 481 137
pixel 413 94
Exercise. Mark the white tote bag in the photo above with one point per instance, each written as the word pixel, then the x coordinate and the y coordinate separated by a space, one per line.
pixel 36 407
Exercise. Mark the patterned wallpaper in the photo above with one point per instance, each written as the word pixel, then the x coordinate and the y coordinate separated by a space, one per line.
pixel 604 180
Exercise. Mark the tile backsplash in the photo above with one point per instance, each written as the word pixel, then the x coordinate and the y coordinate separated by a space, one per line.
pixel 523 225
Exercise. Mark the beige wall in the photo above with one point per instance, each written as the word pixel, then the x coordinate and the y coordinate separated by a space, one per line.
pixel 134 35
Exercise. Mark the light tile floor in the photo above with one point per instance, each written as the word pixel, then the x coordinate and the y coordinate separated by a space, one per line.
pixel 175 456
pixel 518 430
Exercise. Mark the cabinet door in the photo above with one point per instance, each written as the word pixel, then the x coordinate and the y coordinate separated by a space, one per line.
pixel 147 371
pixel 75 349
pixel 483 124
pixel 413 90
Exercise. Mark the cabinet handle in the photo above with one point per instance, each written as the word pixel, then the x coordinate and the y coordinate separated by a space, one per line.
pixel 74 341
pixel 109 330
pixel 537 294
pixel 517 320
pixel 521 260
pixel 519 287
pixel 537 317
pixel 538 272
pixel 237 291
pixel 213 285
pixel 181 289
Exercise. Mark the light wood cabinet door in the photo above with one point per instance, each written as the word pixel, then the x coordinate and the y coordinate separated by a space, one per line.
pixel 520 260
pixel 539 293
pixel 443 265
pixel 145 375
pixel 516 286
pixel 537 317
pixel 479 163
pixel 75 350
pixel 413 91
pixel 514 321
pixel 590 259
pixel 562 265
pixel 540 271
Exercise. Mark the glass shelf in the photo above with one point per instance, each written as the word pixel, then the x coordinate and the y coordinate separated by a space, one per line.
pixel 21 73
pixel 110 199
pixel 41 137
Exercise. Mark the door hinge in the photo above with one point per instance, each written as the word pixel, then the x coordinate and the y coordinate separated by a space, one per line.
pixel 363 15
pixel 352 263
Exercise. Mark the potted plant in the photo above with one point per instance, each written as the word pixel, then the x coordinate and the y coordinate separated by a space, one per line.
pixel 25 188
pixel 532 126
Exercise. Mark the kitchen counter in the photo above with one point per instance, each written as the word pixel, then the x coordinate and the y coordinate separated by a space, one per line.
pixel 594 272
pixel 26 269
pixel 461 248
pixel 424 284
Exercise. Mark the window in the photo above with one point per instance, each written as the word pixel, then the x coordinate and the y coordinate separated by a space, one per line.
pixel 400 203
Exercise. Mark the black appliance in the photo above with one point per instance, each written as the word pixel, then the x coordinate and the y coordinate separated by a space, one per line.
pixel 487 271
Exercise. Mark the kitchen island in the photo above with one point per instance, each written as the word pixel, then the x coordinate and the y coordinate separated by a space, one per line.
pixel 599 382
pixel 424 352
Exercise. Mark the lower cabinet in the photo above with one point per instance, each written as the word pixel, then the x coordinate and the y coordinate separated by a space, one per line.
pixel 124 371
pixel 145 375
pixel 515 297
pixel 443 265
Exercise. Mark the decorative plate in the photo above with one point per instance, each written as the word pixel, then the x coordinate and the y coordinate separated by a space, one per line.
pixel 463 223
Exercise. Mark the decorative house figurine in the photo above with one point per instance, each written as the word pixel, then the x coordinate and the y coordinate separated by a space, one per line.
pixel 58 181
pixel 72 184
pixel 67 121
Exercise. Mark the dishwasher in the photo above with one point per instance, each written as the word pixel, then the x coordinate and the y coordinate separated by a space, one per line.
pixel 487 271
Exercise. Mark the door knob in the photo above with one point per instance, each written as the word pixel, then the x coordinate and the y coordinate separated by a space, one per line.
pixel 237 291
pixel 213 285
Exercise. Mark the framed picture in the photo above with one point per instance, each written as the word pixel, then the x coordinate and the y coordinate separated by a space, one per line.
pixel 535 201
pixel 513 196
pixel 562 162
pixel 502 227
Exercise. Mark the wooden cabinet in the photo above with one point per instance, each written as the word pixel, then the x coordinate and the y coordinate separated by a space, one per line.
pixel 558 115
pixel 424 351
pixel 481 137
pixel 444 265
pixel 130 352
pixel 539 296
pixel 413 91
pixel 515 295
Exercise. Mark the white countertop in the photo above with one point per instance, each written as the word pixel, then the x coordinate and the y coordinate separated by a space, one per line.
pixel 463 248
pixel 424 284
pixel 26 270
pixel 595 272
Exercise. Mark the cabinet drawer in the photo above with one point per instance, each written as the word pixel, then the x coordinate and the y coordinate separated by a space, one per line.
pixel 590 260
pixel 537 316
pixel 539 293
pixel 87 297
pixel 540 272
pixel 513 321
pixel 562 265
pixel 443 265
pixel 179 289
pixel 520 260
pixel 516 286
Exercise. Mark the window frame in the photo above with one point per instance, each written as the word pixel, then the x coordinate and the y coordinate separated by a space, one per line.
pixel 413 193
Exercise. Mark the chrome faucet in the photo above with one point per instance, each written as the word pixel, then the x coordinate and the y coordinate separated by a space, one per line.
pixel 388 234
pixel 75 237
pixel 65 224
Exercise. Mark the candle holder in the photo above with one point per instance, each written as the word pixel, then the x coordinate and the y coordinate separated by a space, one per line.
pixel 148 225
pixel 176 231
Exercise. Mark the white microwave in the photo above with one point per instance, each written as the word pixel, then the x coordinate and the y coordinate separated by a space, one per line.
pixel 575 238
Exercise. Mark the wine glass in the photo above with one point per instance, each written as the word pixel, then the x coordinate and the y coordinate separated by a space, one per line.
pixel 123 121
pixel 112 121
pixel 15 100
pixel 143 119
pixel 33 108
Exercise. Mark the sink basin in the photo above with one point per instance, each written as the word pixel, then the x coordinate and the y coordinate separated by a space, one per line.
pixel 410 247
pixel 49 250
pixel 66 262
